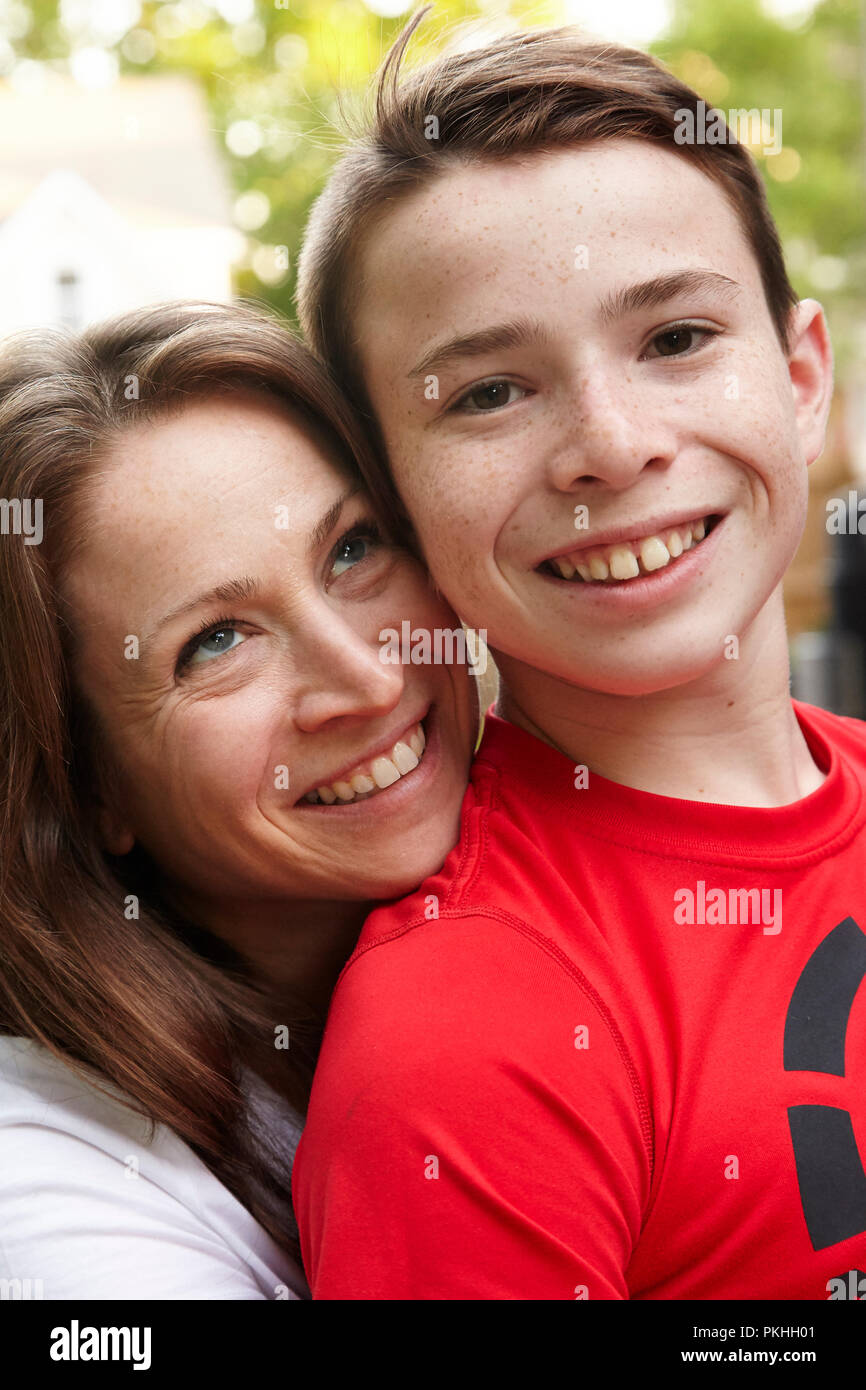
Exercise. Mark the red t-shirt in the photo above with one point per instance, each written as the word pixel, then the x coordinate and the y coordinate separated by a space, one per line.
pixel 614 1049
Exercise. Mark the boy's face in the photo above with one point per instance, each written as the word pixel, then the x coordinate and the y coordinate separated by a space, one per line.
pixel 576 420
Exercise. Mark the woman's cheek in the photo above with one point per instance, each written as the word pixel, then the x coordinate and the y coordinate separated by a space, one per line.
pixel 417 600
pixel 224 746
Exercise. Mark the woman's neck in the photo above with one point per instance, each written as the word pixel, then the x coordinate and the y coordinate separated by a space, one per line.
pixel 295 949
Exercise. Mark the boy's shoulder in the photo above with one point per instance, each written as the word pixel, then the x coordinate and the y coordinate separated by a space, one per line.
pixel 513 823
pixel 838 730
pixel 536 837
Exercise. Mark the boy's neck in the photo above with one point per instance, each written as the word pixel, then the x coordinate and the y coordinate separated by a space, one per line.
pixel 731 737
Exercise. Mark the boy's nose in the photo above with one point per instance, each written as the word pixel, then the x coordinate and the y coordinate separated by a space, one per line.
pixel 610 437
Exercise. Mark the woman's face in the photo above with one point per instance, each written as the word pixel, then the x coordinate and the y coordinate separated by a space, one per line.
pixel 227 605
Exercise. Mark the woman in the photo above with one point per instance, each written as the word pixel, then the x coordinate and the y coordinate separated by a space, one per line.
pixel 208 777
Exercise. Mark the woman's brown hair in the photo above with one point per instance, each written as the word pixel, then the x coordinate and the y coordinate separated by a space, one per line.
pixel 526 92
pixel 152 1005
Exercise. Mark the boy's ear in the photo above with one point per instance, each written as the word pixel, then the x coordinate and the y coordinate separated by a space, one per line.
pixel 810 364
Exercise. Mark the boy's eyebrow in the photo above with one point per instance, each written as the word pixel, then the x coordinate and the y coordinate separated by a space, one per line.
pixel 645 295
pixel 494 339
pixel 648 294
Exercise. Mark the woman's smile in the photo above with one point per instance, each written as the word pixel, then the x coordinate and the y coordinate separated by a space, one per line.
pixel 249 768
pixel 378 771
pixel 290 679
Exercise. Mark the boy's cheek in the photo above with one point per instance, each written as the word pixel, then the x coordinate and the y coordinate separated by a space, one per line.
pixel 443 490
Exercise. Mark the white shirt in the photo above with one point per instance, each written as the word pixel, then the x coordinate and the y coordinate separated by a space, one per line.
pixel 93 1209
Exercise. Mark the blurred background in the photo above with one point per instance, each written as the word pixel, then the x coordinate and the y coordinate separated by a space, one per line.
pixel 153 150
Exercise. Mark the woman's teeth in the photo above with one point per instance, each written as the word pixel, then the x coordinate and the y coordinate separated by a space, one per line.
pixel 630 558
pixel 369 778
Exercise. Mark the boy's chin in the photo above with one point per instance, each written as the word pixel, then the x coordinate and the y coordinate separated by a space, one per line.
pixel 625 675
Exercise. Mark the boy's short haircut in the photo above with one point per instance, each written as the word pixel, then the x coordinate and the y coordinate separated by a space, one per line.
pixel 528 91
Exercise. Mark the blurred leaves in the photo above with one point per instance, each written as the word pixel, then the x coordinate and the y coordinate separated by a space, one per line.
pixel 273 71
pixel 736 55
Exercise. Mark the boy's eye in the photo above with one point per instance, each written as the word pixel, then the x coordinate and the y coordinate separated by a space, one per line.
pixel 489 395
pixel 679 340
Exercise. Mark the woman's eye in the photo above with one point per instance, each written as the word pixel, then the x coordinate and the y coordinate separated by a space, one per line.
pixel 351 550
pixel 490 395
pixel 214 643
pixel 680 340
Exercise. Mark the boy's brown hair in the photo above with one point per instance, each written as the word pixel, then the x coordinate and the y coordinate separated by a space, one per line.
pixel 528 91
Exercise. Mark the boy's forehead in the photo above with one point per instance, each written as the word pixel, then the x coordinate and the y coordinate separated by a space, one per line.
pixel 563 224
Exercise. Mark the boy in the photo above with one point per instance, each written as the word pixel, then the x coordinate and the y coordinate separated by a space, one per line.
pixel 612 1049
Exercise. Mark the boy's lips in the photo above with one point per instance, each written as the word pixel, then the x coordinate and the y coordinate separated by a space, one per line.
pixel 642 593
pixel 623 554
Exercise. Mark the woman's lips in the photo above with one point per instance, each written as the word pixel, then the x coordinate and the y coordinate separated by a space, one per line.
pixel 368 778
pixel 409 797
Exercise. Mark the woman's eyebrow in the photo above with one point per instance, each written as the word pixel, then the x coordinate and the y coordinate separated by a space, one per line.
pixel 326 524
pixel 493 339
pixel 648 294
pixel 246 587
pixel 230 591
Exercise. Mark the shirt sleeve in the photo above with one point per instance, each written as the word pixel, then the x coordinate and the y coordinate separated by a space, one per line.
pixel 86 1225
pixel 476 1128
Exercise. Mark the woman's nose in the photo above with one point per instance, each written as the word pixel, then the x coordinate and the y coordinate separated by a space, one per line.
pixel 341 675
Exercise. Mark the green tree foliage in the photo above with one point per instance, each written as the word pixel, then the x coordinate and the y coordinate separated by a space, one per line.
pixel 737 55
pixel 274 72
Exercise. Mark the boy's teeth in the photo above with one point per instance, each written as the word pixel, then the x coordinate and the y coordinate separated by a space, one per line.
pixel 654 553
pixel 628 560
pixel 623 564
pixel 382 772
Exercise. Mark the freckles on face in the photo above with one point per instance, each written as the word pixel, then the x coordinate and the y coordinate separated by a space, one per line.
pixel 186 501
pixel 516 371
pixel 227 605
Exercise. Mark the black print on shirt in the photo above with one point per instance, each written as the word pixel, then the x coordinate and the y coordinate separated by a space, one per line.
pixel 830 1174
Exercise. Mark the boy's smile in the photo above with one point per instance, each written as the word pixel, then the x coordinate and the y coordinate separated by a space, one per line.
pixel 577 374
pixel 634 576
